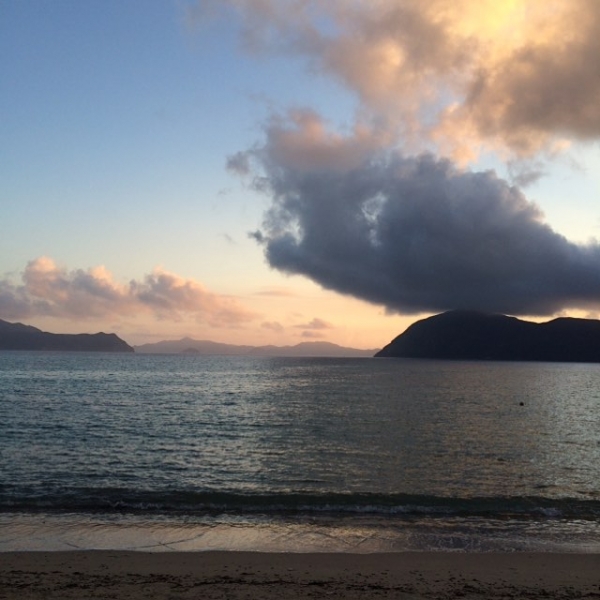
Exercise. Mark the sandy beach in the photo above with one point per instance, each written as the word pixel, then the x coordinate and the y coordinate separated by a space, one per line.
pixel 208 575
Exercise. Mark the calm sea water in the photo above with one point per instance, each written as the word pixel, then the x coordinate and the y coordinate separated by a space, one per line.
pixel 189 452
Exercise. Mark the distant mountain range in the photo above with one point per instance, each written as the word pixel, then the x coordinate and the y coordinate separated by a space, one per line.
pixel 204 347
pixel 459 335
pixel 16 336
pixel 466 335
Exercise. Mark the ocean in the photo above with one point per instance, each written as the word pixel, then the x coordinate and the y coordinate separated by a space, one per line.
pixel 183 452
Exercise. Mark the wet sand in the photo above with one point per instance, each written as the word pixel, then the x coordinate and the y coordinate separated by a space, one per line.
pixel 253 575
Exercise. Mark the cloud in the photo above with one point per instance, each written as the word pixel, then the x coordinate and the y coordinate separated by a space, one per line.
pixel 520 75
pixel 418 234
pixel 301 138
pixel 276 292
pixel 546 84
pixel 313 335
pixel 272 326
pixel 387 211
pixel 315 325
pixel 49 290
pixel 238 163
pixel 524 173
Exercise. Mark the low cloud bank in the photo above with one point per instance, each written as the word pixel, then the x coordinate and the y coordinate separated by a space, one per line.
pixel 49 290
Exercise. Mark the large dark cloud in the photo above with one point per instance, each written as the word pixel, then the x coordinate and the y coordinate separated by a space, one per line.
pixel 417 234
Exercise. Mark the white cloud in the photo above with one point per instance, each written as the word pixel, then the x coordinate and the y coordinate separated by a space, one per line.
pixel 49 290
pixel 521 75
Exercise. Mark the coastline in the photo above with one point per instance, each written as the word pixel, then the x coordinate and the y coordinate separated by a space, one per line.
pixel 410 575
pixel 354 534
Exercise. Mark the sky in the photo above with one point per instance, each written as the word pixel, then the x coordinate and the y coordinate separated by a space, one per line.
pixel 279 171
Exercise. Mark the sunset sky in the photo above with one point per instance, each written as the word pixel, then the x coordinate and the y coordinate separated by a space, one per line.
pixel 278 171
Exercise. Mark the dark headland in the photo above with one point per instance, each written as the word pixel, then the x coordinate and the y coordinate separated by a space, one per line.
pixel 16 336
pixel 467 335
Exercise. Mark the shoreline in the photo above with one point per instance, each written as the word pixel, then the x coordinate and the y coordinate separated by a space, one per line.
pixel 404 575
pixel 366 534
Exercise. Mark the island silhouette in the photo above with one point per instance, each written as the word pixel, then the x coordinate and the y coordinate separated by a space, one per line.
pixel 471 335
pixel 453 335
pixel 16 336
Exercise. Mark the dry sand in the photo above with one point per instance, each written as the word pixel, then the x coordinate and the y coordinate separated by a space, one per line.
pixel 233 575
